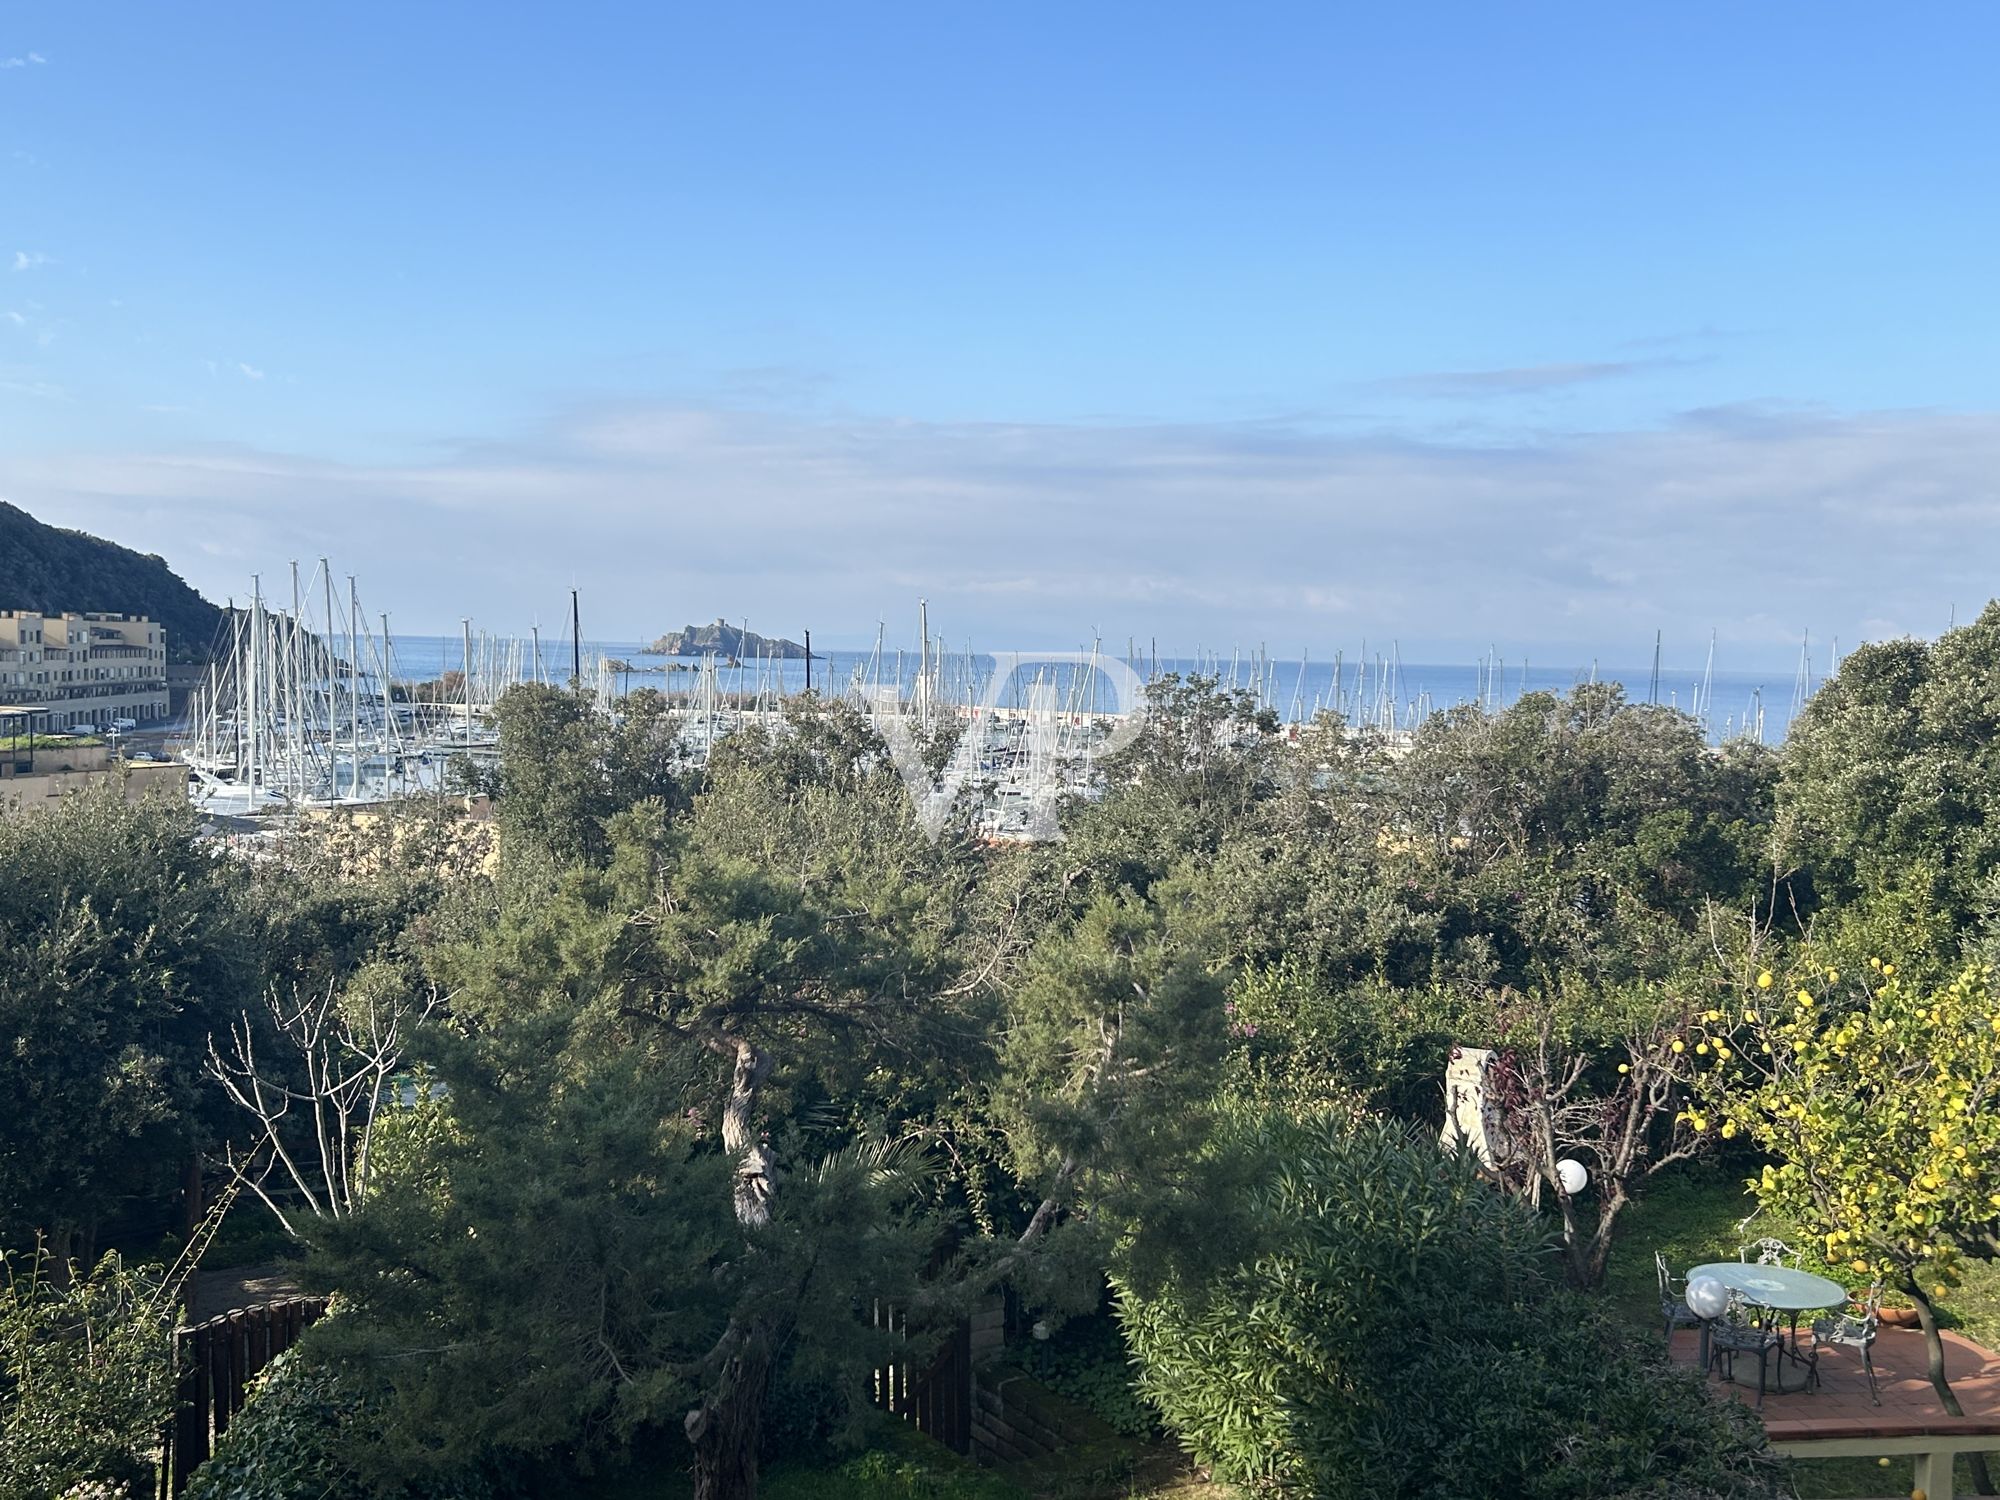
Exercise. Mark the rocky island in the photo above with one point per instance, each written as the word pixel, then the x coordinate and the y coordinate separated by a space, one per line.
pixel 724 639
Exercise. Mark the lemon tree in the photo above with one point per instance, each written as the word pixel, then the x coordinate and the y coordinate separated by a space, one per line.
pixel 1875 1099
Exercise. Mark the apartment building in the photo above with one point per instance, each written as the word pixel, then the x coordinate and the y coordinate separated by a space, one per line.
pixel 84 668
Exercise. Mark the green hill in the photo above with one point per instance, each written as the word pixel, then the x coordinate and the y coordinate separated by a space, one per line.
pixel 49 569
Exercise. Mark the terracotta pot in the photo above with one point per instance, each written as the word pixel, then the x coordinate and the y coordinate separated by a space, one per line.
pixel 1899 1317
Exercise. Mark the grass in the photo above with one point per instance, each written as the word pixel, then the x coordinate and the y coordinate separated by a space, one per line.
pixel 1693 1217
pixel 902 1464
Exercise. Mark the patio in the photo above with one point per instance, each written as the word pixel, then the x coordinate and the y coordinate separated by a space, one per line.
pixel 1839 1420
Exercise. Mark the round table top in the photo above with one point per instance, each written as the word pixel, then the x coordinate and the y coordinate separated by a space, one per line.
pixel 1780 1287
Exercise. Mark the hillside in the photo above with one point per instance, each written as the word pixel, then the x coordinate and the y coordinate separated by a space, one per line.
pixel 723 639
pixel 50 569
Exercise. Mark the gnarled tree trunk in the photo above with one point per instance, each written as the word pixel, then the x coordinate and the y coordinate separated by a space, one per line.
pixel 725 1427
pixel 1982 1481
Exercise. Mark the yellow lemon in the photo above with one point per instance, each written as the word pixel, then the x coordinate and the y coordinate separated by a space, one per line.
pixel 1680 1046
pixel 1728 1129
pixel 1764 980
pixel 1624 1067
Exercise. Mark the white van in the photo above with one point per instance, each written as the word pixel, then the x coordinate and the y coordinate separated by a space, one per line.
pixel 124 723
pixel 83 729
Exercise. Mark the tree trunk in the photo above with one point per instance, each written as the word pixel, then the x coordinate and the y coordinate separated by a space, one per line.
pixel 1587 1256
pixel 60 1246
pixel 755 1178
pixel 725 1427
pixel 191 1202
pixel 1982 1482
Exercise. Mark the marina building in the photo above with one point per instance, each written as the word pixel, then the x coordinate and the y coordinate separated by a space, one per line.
pixel 84 669
pixel 38 771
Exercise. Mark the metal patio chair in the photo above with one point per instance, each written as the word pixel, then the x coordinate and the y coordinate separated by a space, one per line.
pixel 1736 1332
pixel 1674 1311
pixel 1769 1252
pixel 1856 1331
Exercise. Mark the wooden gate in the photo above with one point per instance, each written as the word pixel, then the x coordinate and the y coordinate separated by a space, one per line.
pixel 937 1398
pixel 217 1360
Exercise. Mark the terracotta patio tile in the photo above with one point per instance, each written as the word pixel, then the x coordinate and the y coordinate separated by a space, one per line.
pixel 1840 1406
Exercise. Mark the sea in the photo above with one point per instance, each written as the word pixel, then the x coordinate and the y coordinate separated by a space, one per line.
pixel 1736 703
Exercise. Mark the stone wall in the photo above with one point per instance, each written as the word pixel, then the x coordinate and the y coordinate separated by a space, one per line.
pixel 1017 1420
pixel 31 793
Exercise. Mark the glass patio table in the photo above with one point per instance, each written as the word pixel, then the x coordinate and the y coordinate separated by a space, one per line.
pixel 1779 1288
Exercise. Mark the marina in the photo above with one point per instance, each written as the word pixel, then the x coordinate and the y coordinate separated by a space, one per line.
pixel 311 701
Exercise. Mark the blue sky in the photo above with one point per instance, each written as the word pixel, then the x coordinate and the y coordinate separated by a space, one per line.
pixel 1544 325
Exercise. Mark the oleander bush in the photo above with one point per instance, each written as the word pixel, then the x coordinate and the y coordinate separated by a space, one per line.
pixel 1380 1320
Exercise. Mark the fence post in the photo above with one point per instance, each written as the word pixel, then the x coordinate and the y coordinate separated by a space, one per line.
pixel 239 1358
pixel 188 1445
pixel 218 1374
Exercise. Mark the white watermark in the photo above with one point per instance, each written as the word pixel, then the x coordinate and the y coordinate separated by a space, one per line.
pixel 1048 741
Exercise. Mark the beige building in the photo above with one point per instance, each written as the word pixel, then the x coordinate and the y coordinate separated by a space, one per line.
pixel 84 668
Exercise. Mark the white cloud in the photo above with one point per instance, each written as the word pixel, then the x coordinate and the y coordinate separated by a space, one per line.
pixel 15 318
pixel 1758 522
pixel 1523 380
pixel 20 382
pixel 250 372
pixel 31 60
pixel 29 260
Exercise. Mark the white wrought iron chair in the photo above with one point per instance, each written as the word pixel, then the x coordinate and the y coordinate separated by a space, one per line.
pixel 1736 1332
pixel 1856 1331
pixel 1769 1252
pixel 1674 1311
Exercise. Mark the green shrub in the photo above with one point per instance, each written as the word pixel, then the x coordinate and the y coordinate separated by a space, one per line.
pixel 1087 1361
pixel 295 1439
pixel 1381 1321
pixel 86 1377
pixel 900 1464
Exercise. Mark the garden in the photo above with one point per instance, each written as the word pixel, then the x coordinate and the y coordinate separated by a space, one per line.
pixel 713 1132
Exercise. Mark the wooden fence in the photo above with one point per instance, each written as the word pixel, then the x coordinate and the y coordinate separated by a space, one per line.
pixel 217 1361
pixel 938 1397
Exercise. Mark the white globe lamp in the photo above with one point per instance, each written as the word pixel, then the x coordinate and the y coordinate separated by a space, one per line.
pixel 1707 1297
pixel 1571 1174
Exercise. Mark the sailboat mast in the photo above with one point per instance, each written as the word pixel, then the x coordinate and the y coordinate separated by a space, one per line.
pixel 332 681
pixel 466 675
pixel 354 686
pixel 924 662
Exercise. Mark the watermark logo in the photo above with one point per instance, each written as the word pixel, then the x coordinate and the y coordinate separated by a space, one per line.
pixel 1034 738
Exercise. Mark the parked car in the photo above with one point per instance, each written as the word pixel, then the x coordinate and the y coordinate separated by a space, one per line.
pixel 124 723
pixel 83 729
